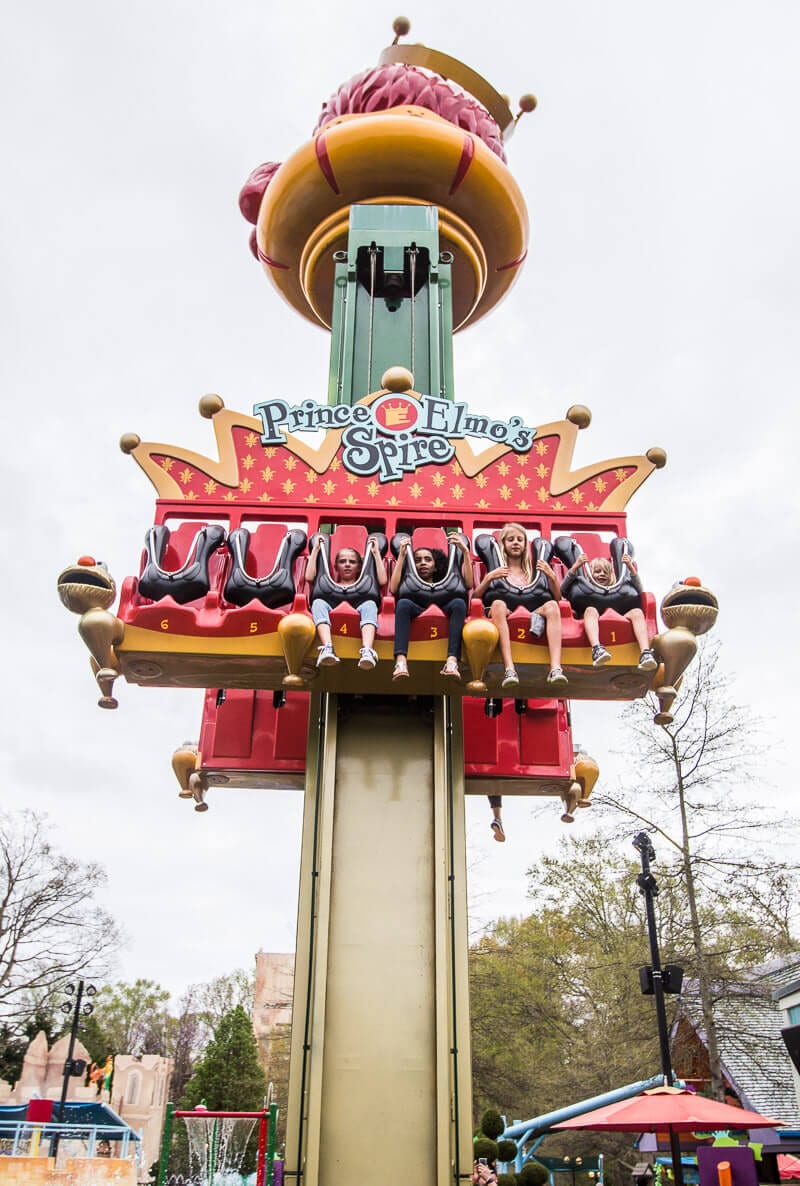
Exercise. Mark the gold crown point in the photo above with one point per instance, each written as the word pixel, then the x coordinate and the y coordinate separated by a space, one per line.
pixel 398 380
pixel 401 26
pixel 657 456
pixel 579 414
pixel 527 103
pixel 209 405
pixel 129 441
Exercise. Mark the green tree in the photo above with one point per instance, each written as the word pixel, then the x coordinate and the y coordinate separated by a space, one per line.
pixel 227 1078
pixel 557 1013
pixel 685 785
pixel 130 1018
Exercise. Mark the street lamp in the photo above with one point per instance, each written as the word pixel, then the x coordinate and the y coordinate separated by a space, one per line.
pixel 648 887
pixel 73 1067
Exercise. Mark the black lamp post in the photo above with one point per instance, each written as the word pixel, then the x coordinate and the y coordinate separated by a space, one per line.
pixel 73 1067
pixel 648 888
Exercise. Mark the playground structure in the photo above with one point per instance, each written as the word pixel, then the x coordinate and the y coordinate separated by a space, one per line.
pixel 529 1134
pixel 396 225
pixel 218 1142
pixel 93 1146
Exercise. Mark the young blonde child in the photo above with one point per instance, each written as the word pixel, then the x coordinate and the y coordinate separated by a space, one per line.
pixel 513 584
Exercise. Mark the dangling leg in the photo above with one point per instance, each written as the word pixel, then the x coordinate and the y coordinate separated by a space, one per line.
pixel 368 613
pixel 647 660
pixel 498 612
pixel 456 611
pixel 496 802
pixel 321 614
pixel 552 616
pixel 591 624
pixel 404 610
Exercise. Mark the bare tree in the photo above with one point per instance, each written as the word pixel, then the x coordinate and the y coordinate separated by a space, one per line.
pixel 190 1038
pixel 217 997
pixel 51 926
pixel 686 786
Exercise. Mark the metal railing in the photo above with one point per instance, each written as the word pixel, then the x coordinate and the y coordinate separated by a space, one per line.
pixel 24 1138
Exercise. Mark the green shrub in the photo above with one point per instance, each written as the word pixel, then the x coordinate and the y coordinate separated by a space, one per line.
pixel 492 1124
pixel 483 1147
pixel 506 1150
pixel 532 1173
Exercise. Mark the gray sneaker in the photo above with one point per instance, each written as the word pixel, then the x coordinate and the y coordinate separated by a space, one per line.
pixel 327 657
pixel 647 661
pixel 600 655
pixel 367 658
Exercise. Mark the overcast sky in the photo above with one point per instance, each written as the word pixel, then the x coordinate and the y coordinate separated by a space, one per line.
pixel 661 289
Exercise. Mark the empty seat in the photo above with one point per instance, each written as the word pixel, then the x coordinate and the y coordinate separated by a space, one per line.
pixel 262 564
pixel 176 562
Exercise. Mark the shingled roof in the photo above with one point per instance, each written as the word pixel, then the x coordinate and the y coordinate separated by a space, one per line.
pixel 749 1021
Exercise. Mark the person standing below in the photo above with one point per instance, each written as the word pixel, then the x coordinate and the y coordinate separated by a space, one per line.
pixel 436 584
pixel 347 570
pixel 514 584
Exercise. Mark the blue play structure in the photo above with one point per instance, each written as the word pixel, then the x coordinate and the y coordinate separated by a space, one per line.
pixel 534 1131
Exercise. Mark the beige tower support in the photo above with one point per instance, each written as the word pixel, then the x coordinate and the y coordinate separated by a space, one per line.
pixel 380 1064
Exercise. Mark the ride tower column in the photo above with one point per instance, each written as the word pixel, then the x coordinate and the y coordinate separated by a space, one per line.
pixel 380 1061
pixel 392 303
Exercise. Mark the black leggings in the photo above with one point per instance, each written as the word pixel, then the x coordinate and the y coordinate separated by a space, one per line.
pixel 406 609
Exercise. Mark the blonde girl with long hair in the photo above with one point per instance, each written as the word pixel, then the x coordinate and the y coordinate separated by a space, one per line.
pixel 515 583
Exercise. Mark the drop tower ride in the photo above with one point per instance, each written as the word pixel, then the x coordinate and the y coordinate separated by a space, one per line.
pixel 396 225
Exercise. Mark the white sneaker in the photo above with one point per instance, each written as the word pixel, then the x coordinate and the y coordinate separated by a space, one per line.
pixel 327 656
pixel 647 661
pixel 367 658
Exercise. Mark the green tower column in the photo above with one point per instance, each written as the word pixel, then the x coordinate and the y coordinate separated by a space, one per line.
pixel 392 303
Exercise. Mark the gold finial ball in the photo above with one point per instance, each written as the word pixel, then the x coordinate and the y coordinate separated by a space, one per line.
pixel 579 414
pixel 129 441
pixel 209 405
pixel 401 26
pixel 506 99
pixel 397 379
pixel 657 456
pixel 528 103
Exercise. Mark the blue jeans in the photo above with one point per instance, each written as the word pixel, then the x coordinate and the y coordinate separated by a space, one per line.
pixel 407 608
pixel 321 612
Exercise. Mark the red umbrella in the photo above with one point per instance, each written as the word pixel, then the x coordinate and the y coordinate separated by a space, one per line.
pixel 668 1108
pixel 788 1167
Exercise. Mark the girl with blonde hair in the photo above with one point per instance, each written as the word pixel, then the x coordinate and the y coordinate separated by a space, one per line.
pixel 519 582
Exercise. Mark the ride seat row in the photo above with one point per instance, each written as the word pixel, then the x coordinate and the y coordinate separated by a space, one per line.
pixel 207 580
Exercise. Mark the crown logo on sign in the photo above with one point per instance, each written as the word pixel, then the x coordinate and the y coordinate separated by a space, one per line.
pixel 396 414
